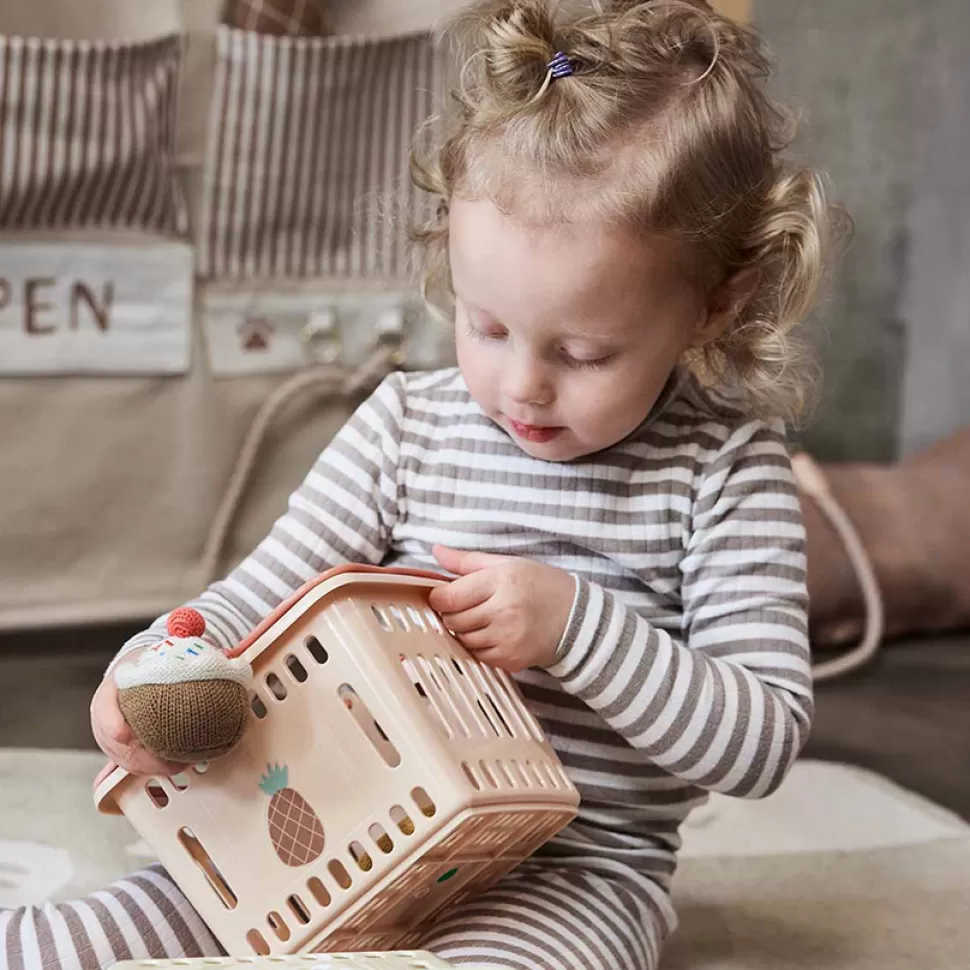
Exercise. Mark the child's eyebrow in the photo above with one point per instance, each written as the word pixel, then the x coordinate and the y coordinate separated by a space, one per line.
pixel 568 331
pixel 619 330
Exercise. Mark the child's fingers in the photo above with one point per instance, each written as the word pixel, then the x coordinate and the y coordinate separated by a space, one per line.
pixel 118 741
pixel 138 761
pixel 463 562
pixel 462 594
pixel 477 640
pixel 106 716
pixel 468 621
pixel 114 749
pixel 109 767
pixel 117 728
pixel 497 657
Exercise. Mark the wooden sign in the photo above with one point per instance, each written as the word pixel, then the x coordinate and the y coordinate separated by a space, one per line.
pixel 89 308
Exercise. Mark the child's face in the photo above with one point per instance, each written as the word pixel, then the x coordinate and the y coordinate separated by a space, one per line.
pixel 566 334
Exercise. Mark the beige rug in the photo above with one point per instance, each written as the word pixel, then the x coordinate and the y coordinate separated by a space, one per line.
pixel 840 870
pixel 53 844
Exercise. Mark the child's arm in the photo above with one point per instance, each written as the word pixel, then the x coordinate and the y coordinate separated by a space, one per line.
pixel 730 710
pixel 343 512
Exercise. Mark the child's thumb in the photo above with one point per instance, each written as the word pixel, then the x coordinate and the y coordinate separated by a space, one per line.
pixel 463 562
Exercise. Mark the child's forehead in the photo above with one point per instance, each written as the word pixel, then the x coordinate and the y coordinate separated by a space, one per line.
pixel 492 248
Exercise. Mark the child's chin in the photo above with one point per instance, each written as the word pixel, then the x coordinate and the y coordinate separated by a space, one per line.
pixel 558 450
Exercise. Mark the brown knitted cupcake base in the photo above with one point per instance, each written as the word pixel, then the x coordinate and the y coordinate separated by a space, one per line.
pixel 189 722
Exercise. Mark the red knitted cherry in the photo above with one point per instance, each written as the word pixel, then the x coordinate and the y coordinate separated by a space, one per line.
pixel 185 622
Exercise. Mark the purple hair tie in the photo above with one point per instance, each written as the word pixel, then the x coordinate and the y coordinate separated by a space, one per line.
pixel 560 66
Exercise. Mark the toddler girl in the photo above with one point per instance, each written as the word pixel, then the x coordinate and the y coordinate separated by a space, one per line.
pixel 626 257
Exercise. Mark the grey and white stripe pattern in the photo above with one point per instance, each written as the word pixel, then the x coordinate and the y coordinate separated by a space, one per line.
pixel 143 917
pixel 538 918
pixel 547 918
pixel 88 135
pixel 306 172
pixel 684 667
pixel 685 664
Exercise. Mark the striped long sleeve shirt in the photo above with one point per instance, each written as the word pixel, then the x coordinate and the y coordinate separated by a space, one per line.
pixel 684 667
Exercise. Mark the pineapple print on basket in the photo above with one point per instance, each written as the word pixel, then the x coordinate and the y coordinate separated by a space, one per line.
pixel 294 828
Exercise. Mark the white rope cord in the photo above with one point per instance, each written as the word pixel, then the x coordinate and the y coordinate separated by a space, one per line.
pixel 811 481
pixel 329 379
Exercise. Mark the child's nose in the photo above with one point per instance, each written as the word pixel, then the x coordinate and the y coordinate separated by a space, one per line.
pixel 526 382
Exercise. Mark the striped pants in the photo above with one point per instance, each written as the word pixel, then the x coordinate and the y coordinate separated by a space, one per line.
pixel 539 918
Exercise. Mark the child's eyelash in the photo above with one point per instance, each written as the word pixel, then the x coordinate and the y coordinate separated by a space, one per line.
pixel 589 364
pixel 573 362
pixel 473 331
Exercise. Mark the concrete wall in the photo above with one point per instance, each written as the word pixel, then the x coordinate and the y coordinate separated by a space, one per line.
pixel 884 86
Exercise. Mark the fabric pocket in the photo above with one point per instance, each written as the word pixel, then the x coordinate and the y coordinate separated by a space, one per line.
pixel 306 173
pixel 88 135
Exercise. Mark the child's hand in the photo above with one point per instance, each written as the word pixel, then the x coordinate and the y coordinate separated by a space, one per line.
pixel 510 612
pixel 117 740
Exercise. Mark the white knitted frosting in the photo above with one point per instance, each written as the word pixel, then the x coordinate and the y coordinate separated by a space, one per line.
pixel 181 660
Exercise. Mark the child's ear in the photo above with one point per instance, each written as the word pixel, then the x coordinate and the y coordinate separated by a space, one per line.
pixel 725 302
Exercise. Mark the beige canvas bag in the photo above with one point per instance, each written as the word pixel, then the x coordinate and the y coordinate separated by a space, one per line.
pixel 110 485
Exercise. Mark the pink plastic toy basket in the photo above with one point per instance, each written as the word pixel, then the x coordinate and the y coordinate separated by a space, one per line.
pixel 385 775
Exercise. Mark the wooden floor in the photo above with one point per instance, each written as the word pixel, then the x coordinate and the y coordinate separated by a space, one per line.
pixel 907 716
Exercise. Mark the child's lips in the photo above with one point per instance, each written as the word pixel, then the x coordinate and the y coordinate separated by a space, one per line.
pixel 536 433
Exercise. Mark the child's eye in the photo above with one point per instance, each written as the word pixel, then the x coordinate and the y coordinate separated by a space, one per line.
pixel 490 333
pixel 588 363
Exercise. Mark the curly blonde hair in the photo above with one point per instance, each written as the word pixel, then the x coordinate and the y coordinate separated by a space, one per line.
pixel 665 127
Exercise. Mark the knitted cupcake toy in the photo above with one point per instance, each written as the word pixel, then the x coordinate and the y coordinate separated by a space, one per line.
pixel 184 699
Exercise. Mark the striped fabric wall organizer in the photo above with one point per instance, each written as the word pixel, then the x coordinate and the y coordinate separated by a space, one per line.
pixel 306 167
pixel 88 134
pixel 306 174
